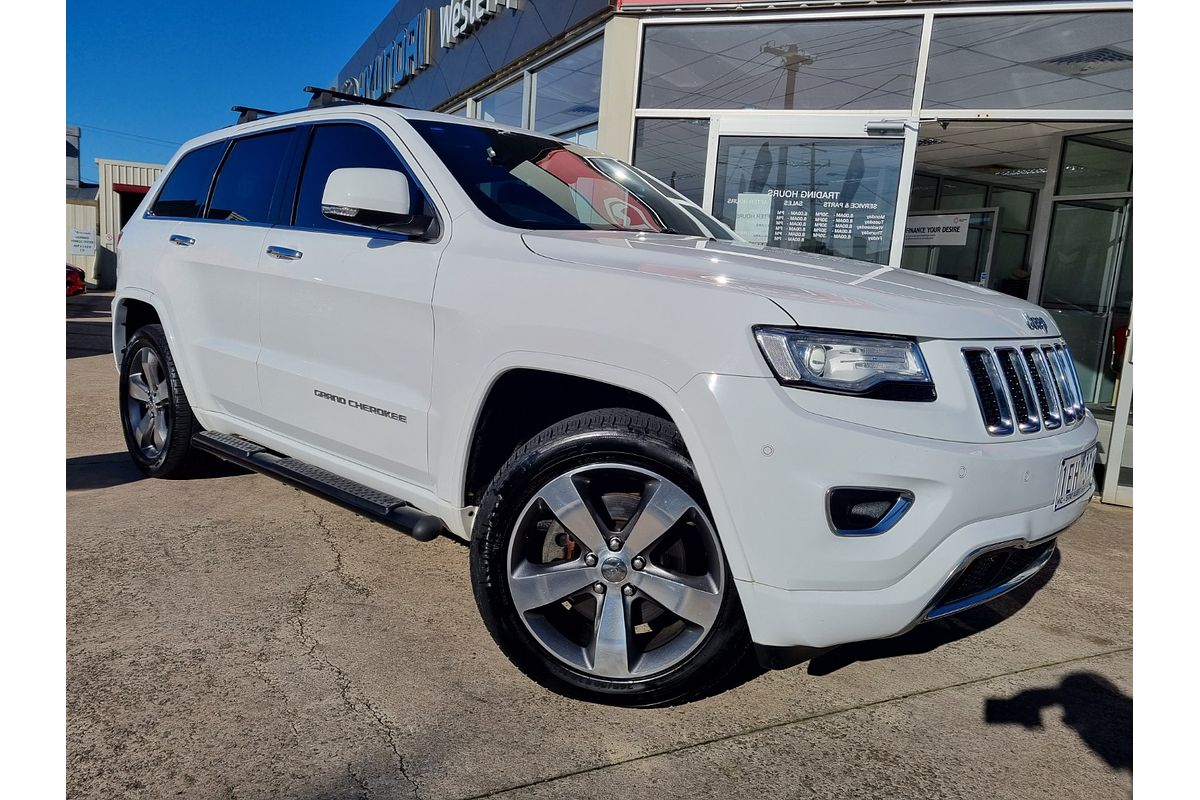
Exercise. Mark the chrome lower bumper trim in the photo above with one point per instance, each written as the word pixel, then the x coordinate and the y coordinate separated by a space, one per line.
pixel 979 598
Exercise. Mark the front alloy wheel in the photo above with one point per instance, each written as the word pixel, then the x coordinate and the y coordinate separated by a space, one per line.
pixel 597 568
pixel 616 571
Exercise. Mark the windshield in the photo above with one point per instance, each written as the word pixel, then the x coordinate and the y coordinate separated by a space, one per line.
pixel 528 181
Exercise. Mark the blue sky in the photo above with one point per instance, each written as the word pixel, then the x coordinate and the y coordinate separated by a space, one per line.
pixel 143 77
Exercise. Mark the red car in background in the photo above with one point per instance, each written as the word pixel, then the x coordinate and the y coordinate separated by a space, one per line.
pixel 75 284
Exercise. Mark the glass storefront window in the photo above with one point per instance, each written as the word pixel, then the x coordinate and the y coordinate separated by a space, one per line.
pixel 1096 164
pixel 1010 264
pixel 962 194
pixel 1016 207
pixel 584 137
pixel 966 261
pixel 833 196
pixel 924 193
pixel 674 151
pixel 865 64
pixel 568 90
pixel 506 105
pixel 1026 61
pixel 1088 286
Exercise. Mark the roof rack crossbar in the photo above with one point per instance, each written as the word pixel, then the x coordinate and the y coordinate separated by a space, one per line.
pixel 249 113
pixel 323 98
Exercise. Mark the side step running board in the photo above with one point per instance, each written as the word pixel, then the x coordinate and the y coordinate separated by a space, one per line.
pixel 354 496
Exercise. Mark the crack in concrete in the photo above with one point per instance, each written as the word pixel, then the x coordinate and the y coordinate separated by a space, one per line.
pixel 353 699
pixel 789 722
pixel 260 670
pixel 354 584
pixel 359 781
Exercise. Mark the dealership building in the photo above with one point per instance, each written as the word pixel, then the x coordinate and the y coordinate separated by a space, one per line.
pixel 988 142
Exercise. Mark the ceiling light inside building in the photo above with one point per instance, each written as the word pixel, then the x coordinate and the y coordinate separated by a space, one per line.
pixel 1087 62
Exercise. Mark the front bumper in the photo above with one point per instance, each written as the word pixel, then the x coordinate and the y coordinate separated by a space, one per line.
pixel 772 463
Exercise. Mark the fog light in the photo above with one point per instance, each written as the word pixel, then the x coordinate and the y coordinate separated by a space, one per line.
pixel 857 511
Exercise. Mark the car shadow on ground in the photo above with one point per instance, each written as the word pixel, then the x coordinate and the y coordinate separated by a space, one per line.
pixel 932 635
pixel 116 469
pixel 1099 713
pixel 100 472
pixel 921 639
pixel 89 326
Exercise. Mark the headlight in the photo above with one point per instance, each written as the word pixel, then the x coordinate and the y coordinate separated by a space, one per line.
pixel 884 367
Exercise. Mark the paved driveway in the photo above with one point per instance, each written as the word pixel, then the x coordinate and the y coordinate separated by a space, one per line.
pixel 230 637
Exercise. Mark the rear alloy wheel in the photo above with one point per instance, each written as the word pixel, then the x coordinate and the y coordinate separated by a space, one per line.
pixel 148 404
pixel 608 581
pixel 155 415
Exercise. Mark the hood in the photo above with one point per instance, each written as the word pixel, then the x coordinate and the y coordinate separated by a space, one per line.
pixel 816 290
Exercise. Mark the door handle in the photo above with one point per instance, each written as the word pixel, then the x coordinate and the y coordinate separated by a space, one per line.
pixel 181 240
pixel 285 253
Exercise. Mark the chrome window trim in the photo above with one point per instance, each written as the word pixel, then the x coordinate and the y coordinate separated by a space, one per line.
pixel 439 214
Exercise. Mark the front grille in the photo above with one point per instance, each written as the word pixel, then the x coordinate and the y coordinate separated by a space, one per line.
pixel 1025 390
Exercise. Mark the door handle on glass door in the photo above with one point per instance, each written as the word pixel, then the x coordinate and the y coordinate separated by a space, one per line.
pixel 181 240
pixel 285 253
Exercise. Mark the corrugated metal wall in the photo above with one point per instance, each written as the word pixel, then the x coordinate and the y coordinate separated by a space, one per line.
pixel 116 172
pixel 82 217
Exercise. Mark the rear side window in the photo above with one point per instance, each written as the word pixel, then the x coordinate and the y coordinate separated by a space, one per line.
pixel 186 188
pixel 337 147
pixel 246 182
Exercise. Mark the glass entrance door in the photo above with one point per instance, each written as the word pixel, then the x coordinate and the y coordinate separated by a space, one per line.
pixel 825 184
pixel 1087 285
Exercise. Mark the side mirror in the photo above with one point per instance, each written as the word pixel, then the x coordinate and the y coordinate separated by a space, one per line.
pixel 373 198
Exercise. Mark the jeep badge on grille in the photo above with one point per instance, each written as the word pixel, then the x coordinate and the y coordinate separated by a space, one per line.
pixel 1036 323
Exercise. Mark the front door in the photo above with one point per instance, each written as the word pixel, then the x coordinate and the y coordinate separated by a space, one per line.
pixel 347 320
pixel 823 184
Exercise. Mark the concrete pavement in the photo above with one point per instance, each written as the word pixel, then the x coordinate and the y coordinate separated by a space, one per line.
pixel 230 637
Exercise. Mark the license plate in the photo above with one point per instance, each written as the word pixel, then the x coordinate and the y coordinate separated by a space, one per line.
pixel 1076 477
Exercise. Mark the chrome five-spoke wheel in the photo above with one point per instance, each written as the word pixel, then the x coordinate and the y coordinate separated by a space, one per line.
pixel 148 407
pixel 616 571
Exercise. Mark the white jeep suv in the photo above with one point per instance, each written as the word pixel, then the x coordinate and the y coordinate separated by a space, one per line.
pixel 664 444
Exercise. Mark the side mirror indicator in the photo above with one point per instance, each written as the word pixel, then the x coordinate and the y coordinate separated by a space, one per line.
pixel 373 198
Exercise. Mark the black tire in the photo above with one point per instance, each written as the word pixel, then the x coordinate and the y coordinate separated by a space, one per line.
pixel 172 457
pixel 588 442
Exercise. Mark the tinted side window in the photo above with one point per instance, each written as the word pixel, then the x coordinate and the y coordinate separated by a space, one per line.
pixel 337 147
pixel 246 182
pixel 186 188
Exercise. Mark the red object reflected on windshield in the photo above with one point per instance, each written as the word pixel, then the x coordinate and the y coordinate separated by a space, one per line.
pixel 607 198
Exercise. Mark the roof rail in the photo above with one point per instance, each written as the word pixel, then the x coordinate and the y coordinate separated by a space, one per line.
pixel 249 114
pixel 323 98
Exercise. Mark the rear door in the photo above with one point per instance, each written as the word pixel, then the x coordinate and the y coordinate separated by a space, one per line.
pixel 209 268
pixel 347 319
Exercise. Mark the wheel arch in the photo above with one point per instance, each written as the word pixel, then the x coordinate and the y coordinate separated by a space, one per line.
pixel 131 311
pixel 595 385
pixel 133 308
